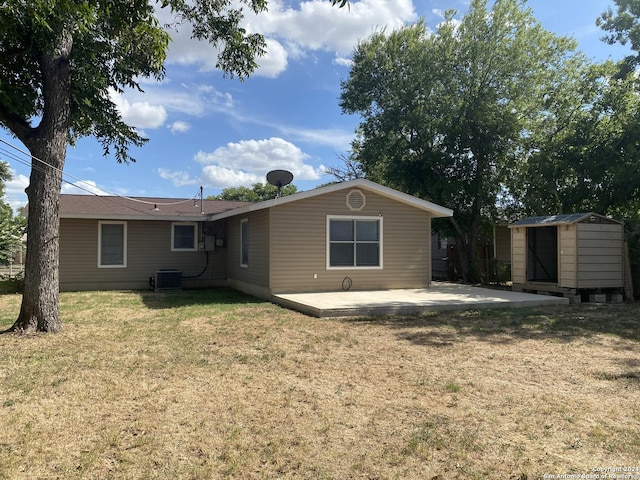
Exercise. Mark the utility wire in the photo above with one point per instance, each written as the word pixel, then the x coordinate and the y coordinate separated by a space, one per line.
pixel 36 165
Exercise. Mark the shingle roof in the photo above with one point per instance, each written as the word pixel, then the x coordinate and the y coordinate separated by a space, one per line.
pixel 144 208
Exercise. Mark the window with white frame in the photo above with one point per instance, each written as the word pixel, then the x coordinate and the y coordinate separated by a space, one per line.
pixel 184 237
pixel 354 242
pixel 112 244
pixel 244 242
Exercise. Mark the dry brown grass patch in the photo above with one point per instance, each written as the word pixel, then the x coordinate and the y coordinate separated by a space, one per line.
pixel 216 385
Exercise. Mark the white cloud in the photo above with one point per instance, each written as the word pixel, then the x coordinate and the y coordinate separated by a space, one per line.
pixel 260 156
pixel 179 127
pixel 185 51
pixel 139 114
pixel 456 22
pixel 83 187
pixel 274 61
pixel 189 99
pixel 245 163
pixel 214 176
pixel 337 138
pixel 317 25
pixel 438 12
pixel 343 62
pixel 179 178
pixel 289 32
pixel 14 193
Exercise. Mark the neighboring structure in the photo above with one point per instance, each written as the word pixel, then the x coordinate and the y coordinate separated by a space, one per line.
pixel 501 260
pixel 441 264
pixel 567 253
pixel 493 256
pixel 355 234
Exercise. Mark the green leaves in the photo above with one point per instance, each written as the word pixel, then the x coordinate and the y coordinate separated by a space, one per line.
pixel 623 26
pixel 218 22
pixel 259 192
pixel 11 228
pixel 584 154
pixel 114 43
pixel 445 114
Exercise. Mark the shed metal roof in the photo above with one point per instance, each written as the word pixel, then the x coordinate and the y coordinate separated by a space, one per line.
pixel 558 219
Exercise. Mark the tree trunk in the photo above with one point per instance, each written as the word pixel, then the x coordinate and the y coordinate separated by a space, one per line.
pixel 48 146
pixel 467 242
pixel 39 309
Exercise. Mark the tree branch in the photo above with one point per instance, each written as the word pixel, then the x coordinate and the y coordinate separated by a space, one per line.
pixel 20 127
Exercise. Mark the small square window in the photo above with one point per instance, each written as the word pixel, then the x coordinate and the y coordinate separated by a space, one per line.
pixel 184 237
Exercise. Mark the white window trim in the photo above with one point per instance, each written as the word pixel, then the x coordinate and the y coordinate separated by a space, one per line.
pixel 195 236
pixel 242 222
pixel 124 250
pixel 353 217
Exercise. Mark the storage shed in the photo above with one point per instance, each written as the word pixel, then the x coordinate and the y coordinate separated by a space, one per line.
pixel 574 252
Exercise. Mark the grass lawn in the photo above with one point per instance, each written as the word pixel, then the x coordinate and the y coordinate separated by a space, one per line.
pixel 213 384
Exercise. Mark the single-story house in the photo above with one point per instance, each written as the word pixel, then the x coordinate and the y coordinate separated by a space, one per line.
pixel 355 234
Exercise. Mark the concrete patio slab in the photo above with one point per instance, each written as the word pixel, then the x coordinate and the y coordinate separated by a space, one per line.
pixel 438 297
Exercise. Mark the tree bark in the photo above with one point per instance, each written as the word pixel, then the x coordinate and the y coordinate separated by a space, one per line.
pixel 47 144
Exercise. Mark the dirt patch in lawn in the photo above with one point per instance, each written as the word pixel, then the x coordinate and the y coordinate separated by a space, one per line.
pixel 170 386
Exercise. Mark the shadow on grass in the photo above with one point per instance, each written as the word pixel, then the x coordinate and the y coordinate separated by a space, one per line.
pixel 10 286
pixel 500 326
pixel 193 297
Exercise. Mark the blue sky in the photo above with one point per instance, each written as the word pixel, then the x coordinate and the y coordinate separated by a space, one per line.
pixel 206 130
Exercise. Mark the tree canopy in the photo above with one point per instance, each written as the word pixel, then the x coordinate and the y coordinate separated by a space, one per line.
pixel 585 153
pixel 623 26
pixel 11 227
pixel 445 114
pixel 104 47
pixel 60 62
pixel 259 192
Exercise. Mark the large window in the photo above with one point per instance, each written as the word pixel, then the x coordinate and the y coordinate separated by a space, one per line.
pixel 354 242
pixel 244 242
pixel 184 237
pixel 112 244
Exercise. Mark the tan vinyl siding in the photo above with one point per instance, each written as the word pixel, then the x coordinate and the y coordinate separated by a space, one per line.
pixel 148 250
pixel 299 245
pixel 257 270
pixel 600 264
pixel 567 276
pixel 519 255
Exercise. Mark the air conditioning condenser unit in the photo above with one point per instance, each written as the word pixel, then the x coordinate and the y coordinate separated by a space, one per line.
pixel 168 280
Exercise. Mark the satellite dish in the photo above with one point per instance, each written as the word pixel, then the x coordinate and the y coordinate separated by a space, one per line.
pixel 279 178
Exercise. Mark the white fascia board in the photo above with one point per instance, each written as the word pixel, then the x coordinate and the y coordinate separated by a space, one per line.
pixel 436 211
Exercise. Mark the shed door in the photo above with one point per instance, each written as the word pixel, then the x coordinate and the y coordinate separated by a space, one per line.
pixel 542 254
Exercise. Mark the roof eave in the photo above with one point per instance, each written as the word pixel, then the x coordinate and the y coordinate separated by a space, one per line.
pixel 436 211
pixel 171 218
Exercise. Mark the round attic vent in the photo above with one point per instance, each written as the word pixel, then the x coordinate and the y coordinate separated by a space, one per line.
pixel 356 200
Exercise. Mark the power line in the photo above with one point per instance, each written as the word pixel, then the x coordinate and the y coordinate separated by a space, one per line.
pixel 38 164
